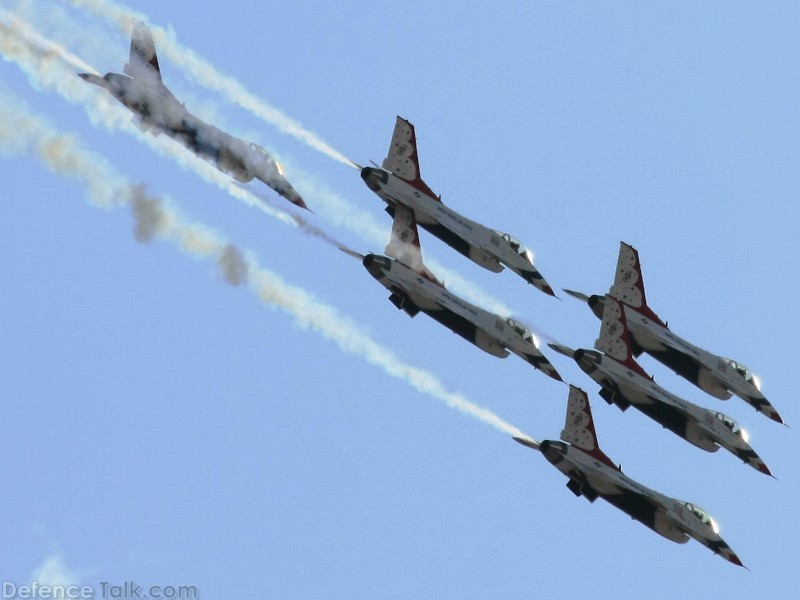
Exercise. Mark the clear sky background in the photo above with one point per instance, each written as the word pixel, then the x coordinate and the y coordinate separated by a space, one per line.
pixel 162 426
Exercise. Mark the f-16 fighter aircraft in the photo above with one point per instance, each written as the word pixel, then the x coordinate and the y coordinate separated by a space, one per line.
pixel 714 374
pixel 592 474
pixel 625 384
pixel 414 288
pixel 156 110
pixel 398 183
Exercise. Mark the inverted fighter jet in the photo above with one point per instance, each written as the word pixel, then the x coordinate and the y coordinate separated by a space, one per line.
pixel 398 183
pixel 592 475
pixel 714 374
pixel 157 111
pixel 414 288
pixel 624 383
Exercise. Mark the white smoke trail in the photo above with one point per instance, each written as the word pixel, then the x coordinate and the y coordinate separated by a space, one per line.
pixel 337 210
pixel 206 75
pixel 23 132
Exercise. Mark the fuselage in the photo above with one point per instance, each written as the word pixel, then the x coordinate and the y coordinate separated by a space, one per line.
pixel 488 331
pixel 718 376
pixel 705 429
pixel 671 518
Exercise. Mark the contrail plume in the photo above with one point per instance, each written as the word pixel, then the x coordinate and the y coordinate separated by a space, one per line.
pixel 23 132
pixel 204 73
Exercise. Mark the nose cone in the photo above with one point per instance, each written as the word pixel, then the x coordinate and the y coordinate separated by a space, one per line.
pixel 535 278
pixel 292 196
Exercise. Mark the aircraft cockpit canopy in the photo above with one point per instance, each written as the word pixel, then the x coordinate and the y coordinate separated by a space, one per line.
pixel 517 247
pixel 732 425
pixel 704 517
pixel 523 331
pixel 748 375
pixel 267 157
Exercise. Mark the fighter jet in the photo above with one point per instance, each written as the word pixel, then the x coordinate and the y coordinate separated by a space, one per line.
pixel 157 111
pixel 624 383
pixel 414 288
pixel 592 475
pixel 713 374
pixel 398 183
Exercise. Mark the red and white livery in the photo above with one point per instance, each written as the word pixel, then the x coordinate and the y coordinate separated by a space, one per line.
pixel 415 289
pixel 625 383
pixel 721 377
pixel 593 475
pixel 398 182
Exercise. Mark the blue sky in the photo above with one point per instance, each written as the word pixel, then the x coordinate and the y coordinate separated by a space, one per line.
pixel 162 426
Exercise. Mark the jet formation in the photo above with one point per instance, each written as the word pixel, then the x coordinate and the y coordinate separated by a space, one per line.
pixel 156 110
pixel 625 383
pixel 629 327
pixel 721 377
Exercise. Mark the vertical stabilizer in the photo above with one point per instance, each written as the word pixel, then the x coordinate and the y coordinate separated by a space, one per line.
pixel 402 160
pixel 404 242
pixel 142 61
pixel 615 338
pixel 579 426
pixel 628 286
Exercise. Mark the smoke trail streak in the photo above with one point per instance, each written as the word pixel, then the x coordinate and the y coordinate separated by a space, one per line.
pixel 204 73
pixel 39 58
pixel 23 132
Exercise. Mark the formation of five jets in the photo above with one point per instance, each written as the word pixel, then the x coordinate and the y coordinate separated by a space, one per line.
pixel 628 326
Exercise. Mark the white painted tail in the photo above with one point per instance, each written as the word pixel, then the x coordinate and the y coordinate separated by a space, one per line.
pixel 628 286
pixel 142 61
pixel 402 160
pixel 579 426
pixel 615 338
pixel 404 242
